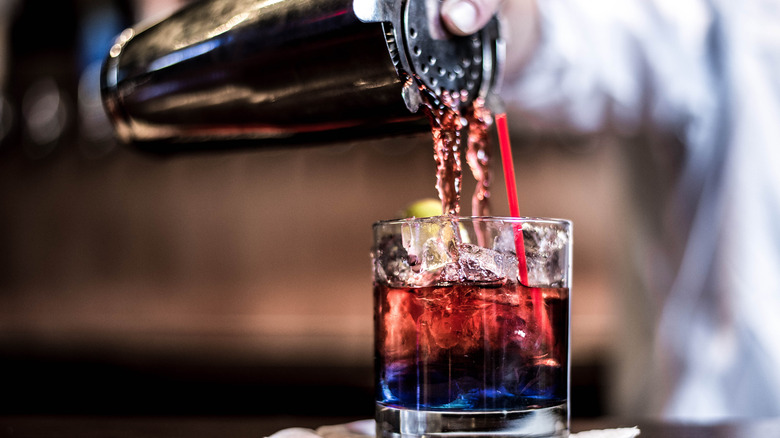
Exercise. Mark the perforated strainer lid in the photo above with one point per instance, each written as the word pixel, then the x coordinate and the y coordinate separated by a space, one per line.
pixel 420 47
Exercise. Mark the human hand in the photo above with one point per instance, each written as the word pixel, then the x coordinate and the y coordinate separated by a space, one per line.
pixel 465 17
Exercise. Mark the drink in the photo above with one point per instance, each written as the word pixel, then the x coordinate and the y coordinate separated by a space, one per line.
pixel 471 320
pixel 462 346
pixel 446 130
pixel 478 156
pixel 472 347
pixel 448 127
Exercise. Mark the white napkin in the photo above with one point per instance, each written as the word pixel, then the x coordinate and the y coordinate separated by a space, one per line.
pixel 366 428
pixel 624 432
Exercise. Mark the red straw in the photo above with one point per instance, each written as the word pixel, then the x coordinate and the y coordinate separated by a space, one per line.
pixel 506 160
pixel 514 210
pixel 511 191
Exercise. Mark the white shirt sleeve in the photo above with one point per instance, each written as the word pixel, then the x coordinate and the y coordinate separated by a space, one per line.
pixel 615 65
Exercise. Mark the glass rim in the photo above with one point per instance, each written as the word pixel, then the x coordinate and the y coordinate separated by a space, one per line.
pixel 486 219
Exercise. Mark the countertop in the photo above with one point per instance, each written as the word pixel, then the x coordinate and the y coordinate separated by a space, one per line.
pixel 258 427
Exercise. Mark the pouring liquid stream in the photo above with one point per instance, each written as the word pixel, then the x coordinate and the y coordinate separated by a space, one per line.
pixel 447 127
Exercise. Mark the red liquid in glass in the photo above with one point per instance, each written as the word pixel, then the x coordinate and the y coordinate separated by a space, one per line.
pixel 470 347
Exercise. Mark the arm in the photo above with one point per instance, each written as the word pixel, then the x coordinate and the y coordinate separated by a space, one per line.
pixel 595 65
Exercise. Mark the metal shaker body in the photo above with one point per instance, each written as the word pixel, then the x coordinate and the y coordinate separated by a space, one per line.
pixel 269 72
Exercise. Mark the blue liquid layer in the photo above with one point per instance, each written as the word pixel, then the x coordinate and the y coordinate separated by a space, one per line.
pixel 461 388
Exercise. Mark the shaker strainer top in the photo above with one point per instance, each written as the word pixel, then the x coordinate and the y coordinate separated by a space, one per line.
pixel 422 48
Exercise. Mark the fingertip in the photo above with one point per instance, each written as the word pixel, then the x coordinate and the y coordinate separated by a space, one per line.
pixel 461 17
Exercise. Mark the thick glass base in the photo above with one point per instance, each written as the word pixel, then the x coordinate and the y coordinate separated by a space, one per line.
pixel 408 423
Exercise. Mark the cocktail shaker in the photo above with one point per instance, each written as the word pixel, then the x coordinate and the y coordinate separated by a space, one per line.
pixel 230 73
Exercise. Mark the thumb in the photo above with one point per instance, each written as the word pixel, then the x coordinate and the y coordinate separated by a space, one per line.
pixel 465 17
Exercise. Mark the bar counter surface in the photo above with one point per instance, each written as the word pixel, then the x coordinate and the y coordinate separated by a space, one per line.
pixel 258 427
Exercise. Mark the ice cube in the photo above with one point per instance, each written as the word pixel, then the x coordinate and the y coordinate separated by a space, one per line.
pixel 433 244
pixel 507 295
pixel 391 262
pixel 511 266
pixel 506 323
pixel 545 250
pixel 545 254
pixel 480 264
pixel 543 238
pixel 435 254
pixel 438 264
pixel 399 325
pixel 504 242
pixel 447 325
pixel 416 234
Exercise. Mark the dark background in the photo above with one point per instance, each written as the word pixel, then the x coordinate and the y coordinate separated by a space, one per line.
pixel 225 284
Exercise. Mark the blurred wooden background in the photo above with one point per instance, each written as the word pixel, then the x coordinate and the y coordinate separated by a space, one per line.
pixel 234 283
